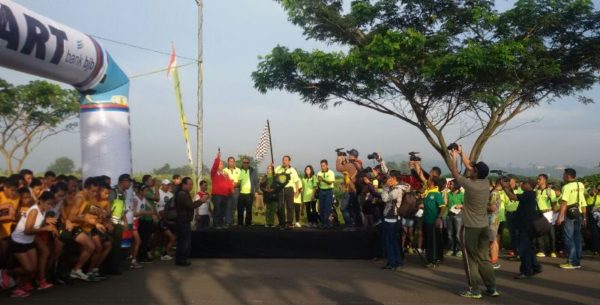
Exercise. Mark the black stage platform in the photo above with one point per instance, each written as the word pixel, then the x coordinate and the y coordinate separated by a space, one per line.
pixel 260 242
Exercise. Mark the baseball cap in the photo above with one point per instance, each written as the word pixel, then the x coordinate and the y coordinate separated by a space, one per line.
pixel 125 177
pixel 166 181
pixel 353 152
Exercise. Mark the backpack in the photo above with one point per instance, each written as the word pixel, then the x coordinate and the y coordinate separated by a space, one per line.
pixel 409 206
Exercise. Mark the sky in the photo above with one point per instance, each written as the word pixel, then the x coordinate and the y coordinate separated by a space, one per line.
pixel 236 33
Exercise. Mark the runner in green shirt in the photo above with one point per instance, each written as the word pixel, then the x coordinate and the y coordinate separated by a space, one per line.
pixel 546 200
pixel 433 206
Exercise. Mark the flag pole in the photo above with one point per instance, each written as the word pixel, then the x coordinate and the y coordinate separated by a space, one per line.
pixel 200 128
pixel 270 142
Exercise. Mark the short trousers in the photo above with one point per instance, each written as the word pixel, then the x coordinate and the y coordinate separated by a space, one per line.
pixel 16 247
pixel 104 237
pixel 408 222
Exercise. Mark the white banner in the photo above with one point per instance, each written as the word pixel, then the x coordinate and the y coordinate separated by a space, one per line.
pixel 37 45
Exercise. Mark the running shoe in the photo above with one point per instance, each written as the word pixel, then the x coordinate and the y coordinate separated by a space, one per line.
pixel 471 294
pixel 135 265
pixel 43 285
pixel 19 293
pixel 78 274
pixel 569 266
pixel 491 293
pixel 28 287
pixel 166 257
pixel 541 254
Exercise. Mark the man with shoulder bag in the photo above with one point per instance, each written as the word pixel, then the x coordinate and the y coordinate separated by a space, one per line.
pixel 573 216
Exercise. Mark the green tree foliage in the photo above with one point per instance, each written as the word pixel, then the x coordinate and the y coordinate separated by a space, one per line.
pixel 62 165
pixel 240 158
pixel 184 170
pixel 439 63
pixel 31 113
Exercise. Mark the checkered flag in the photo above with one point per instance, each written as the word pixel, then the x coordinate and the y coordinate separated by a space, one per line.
pixel 264 144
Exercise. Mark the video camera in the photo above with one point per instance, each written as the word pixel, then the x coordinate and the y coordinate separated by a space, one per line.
pixel 340 152
pixel 413 156
pixel 373 156
pixel 453 146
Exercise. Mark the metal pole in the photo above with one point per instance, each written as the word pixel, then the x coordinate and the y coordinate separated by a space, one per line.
pixel 199 130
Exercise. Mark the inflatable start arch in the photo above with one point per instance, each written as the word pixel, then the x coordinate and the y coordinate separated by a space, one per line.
pixel 37 45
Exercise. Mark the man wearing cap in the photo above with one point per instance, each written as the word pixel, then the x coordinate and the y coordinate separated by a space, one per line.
pixel 164 195
pixel 352 166
pixel 165 227
pixel 118 200
pixel 474 232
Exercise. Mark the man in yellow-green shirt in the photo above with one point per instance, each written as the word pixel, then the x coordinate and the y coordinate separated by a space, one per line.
pixel 593 207
pixel 248 182
pixel 233 173
pixel 326 178
pixel 546 200
pixel 511 208
pixel 285 205
pixel 572 216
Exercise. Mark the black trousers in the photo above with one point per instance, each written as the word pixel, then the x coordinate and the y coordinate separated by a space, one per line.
pixel 433 243
pixel 529 263
pixel 356 209
pixel 285 206
pixel 146 228
pixel 244 205
pixel 311 212
pixel 184 241
pixel 116 255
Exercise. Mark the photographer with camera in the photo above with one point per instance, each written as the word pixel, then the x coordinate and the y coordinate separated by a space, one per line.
pixel 425 179
pixel 475 235
pixel 353 166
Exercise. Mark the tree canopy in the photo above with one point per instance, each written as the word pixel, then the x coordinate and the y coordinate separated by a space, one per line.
pixel 438 63
pixel 31 113
pixel 62 165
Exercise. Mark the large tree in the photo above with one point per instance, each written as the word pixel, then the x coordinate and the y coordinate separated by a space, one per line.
pixel 62 165
pixel 440 63
pixel 31 113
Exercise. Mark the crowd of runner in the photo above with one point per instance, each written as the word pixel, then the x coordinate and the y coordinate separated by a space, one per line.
pixel 56 229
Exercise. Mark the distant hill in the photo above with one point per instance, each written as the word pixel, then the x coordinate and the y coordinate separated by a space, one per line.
pixel 553 171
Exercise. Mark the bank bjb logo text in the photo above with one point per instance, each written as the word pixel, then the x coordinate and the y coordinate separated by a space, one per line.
pixel 37 37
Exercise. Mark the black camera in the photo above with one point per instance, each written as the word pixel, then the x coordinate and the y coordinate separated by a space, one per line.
pixel 340 152
pixel 453 146
pixel 373 156
pixel 413 156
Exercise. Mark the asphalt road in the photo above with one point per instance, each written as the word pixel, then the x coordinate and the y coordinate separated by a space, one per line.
pixel 297 281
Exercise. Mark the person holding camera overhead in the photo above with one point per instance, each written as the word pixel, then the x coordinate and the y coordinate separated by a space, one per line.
pixel 290 190
pixel 475 235
pixel 353 166
pixel 573 216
